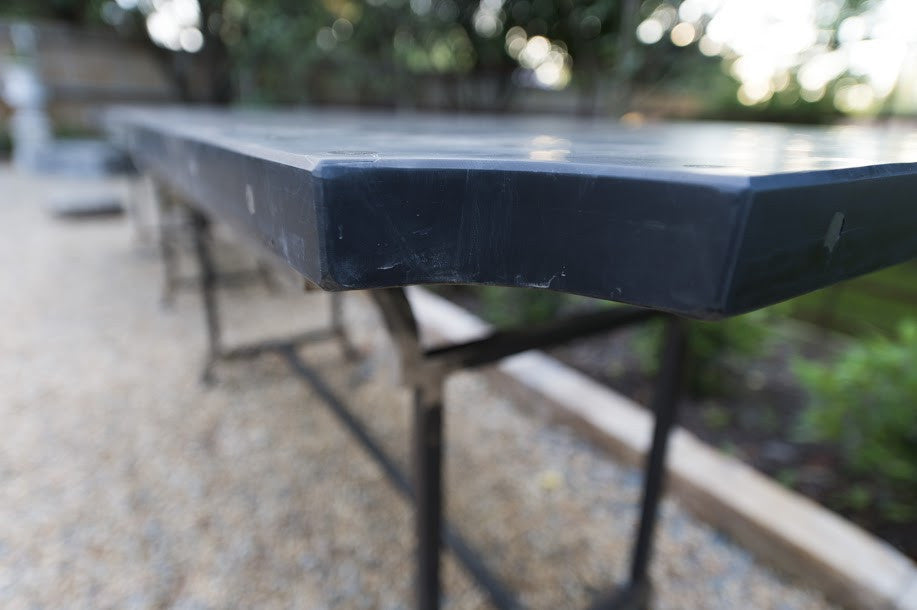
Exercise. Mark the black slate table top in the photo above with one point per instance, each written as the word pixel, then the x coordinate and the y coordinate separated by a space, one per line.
pixel 702 219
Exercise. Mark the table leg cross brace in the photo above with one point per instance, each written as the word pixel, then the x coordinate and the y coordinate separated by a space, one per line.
pixel 426 370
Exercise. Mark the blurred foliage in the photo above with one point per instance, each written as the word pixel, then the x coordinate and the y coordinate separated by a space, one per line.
pixel 740 338
pixel 864 403
pixel 511 307
pixel 79 12
pixel 800 63
pixel 385 51
pixel 710 344
pixel 468 55
pixel 874 303
pixel 436 53
pixel 6 143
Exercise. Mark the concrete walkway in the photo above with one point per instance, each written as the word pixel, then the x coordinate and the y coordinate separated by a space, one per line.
pixel 126 484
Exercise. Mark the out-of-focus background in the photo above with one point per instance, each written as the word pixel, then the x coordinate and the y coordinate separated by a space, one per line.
pixel 789 60
pixel 817 393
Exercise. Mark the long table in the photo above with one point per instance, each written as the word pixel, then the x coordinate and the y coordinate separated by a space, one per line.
pixel 681 220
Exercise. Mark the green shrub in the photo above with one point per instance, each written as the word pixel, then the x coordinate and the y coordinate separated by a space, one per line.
pixel 866 403
pixel 708 344
pixel 6 144
pixel 506 307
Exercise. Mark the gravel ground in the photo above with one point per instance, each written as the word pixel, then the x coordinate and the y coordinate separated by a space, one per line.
pixel 125 483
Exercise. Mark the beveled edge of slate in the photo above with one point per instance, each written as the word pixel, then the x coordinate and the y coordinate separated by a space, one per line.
pixel 497 223
pixel 830 230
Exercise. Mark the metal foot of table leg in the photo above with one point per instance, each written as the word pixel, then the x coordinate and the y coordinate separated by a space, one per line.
pixel 634 596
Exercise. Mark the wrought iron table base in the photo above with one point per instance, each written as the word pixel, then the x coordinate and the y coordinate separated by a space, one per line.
pixel 169 231
pixel 208 283
pixel 425 371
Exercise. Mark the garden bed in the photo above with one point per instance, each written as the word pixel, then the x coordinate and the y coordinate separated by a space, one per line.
pixel 752 408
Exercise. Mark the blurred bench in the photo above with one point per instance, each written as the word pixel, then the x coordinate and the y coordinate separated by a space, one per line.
pixel 57 75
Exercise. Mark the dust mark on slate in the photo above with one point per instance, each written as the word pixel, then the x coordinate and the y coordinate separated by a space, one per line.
pixel 835 228
pixel 249 199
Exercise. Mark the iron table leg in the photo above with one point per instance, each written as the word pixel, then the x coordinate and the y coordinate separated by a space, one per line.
pixel 165 208
pixel 428 447
pixel 200 226
pixel 465 553
pixel 426 371
pixel 337 326
pixel 665 403
pixel 636 594
pixel 428 440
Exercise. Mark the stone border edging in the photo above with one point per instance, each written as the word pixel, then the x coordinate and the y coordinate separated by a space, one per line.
pixel 851 566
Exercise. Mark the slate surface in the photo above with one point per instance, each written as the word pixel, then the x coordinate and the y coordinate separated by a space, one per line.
pixel 702 219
